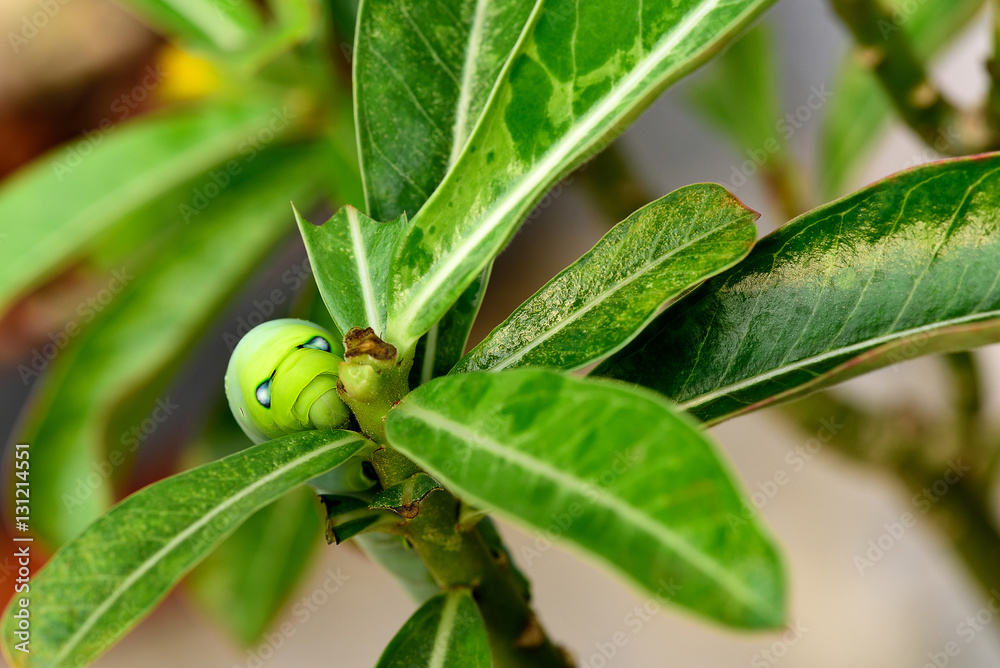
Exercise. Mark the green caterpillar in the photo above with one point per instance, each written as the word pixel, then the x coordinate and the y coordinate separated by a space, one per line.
pixel 282 379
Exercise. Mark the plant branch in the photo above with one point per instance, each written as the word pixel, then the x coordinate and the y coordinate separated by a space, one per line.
pixel 993 67
pixel 782 178
pixel 885 49
pixel 954 499
pixel 963 516
pixel 613 185
pixel 968 403
pixel 372 381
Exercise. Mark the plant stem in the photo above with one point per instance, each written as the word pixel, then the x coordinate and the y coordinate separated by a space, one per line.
pixel 781 176
pixel 885 49
pixel 963 516
pixel 461 558
pixel 968 404
pixel 961 512
pixel 613 185
pixel 993 67
pixel 373 379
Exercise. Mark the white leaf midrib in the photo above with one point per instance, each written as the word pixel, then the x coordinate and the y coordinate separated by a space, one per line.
pixel 181 537
pixel 439 651
pixel 550 163
pixel 598 299
pixel 460 135
pixel 364 271
pixel 861 346
pixel 597 495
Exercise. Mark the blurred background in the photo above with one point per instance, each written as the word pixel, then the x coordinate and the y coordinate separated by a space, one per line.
pixel 91 65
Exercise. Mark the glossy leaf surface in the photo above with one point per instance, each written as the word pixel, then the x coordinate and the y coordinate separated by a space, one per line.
pixel 906 267
pixel 350 255
pixel 245 581
pixel 644 488
pixel 578 73
pixel 102 583
pixel 445 632
pixel 86 420
pixel 598 303
pixel 423 71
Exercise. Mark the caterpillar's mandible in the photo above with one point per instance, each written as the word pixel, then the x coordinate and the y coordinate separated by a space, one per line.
pixel 282 378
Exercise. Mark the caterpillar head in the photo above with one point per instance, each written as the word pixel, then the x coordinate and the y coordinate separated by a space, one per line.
pixel 282 378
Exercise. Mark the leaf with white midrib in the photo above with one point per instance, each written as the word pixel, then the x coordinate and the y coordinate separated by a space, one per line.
pixel 447 631
pixel 104 581
pixel 597 305
pixel 503 170
pixel 914 259
pixel 532 443
pixel 350 256
pixel 443 59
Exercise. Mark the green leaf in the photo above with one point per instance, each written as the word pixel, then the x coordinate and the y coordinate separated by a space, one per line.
pixel 646 491
pixel 102 583
pixel 422 73
pixel 350 255
pixel 100 179
pixel 244 582
pixel 442 60
pixel 579 73
pixel 84 423
pixel 445 632
pixel 395 555
pixel 349 516
pixel 903 268
pixel 739 94
pixel 859 110
pixel 600 302
pixel 440 349
pixel 405 497
pixel 221 25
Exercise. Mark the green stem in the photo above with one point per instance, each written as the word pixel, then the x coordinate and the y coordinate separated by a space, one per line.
pixel 886 50
pixel 968 405
pixel 782 177
pixel 963 516
pixel 954 499
pixel 458 557
pixel 613 185
pixel 993 67
pixel 454 556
